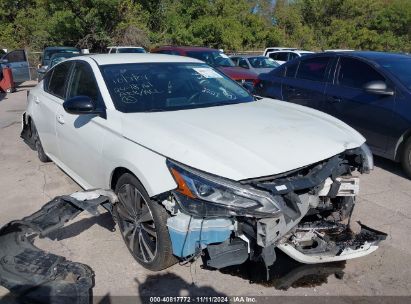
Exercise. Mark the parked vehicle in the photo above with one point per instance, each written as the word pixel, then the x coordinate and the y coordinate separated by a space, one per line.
pixel 271 49
pixel 17 61
pixel 256 64
pixel 283 56
pixel 50 50
pixel 54 59
pixel 125 49
pixel 199 164
pixel 370 91
pixel 215 58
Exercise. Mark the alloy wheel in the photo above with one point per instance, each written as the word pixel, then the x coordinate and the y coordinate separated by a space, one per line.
pixel 136 223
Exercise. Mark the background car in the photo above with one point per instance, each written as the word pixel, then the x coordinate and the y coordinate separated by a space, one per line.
pixel 283 56
pixel 54 59
pixel 271 49
pixel 18 62
pixel 49 51
pixel 126 49
pixel 215 58
pixel 256 64
pixel 370 91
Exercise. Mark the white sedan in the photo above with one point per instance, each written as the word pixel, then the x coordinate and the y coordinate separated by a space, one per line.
pixel 199 164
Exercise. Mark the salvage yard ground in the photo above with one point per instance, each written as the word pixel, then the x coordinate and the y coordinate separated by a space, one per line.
pixel 26 184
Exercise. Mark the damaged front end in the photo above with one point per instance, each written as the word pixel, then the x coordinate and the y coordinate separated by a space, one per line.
pixel 305 213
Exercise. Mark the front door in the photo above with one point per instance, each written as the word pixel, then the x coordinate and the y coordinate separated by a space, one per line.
pixel 368 113
pixel 17 61
pixel 80 137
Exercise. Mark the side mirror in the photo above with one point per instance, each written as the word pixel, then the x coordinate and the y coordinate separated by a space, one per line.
pixel 378 87
pixel 41 70
pixel 82 105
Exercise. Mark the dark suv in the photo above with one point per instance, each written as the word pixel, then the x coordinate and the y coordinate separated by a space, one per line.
pixel 371 91
pixel 213 57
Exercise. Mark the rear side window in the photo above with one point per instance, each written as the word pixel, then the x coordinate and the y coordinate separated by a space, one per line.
pixel 313 69
pixel 83 82
pixel 291 69
pixel 58 79
pixel 356 73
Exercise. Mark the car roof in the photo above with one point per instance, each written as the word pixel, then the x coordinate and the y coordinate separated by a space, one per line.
pixel 185 48
pixel 248 56
pixel 60 48
pixel 103 59
pixel 372 55
pixel 125 47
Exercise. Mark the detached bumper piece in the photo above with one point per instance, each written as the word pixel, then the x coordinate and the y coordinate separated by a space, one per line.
pixel 35 276
pixel 331 245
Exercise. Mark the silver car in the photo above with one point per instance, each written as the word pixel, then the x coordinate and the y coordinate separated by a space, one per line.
pixel 257 64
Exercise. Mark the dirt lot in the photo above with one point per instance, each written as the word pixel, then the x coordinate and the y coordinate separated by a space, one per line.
pixel 384 204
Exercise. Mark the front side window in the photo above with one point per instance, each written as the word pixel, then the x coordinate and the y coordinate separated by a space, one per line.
pixel 399 68
pixel 355 73
pixel 83 82
pixel 58 78
pixel 313 69
pixel 15 56
pixel 151 87
pixel 213 58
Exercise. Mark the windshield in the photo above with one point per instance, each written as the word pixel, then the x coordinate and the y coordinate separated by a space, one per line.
pixel 262 62
pixel 151 87
pixel 131 50
pixel 57 59
pixel 213 58
pixel 400 68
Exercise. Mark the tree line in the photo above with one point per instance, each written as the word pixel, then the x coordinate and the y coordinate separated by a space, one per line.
pixel 228 24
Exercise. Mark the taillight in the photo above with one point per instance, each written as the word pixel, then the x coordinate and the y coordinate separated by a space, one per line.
pixel 256 82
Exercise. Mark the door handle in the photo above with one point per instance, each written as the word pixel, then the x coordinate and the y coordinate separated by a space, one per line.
pixel 336 99
pixel 37 100
pixel 60 119
pixel 291 89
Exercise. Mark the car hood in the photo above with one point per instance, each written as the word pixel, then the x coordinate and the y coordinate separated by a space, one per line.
pixel 244 140
pixel 238 73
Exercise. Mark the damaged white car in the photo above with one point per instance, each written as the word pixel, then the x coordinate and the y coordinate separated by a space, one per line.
pixel 200 166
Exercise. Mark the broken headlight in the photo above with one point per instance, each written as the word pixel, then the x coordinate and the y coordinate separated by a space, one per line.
pixel 202 194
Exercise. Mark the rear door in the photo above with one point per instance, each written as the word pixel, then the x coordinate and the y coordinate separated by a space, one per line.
pixel 46 104
pixel 80 137
pixel 17 61
pixel 307 86
pixel 368 113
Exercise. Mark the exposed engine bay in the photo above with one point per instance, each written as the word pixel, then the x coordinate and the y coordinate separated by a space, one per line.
pixel 308 219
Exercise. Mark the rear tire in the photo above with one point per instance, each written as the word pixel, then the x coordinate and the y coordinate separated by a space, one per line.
pixel 37 144
pixel 406 158
pixel 142 224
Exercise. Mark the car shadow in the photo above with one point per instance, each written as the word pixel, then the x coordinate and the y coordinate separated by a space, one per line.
pixel 104 220
pixel 389 165
pixel 2 95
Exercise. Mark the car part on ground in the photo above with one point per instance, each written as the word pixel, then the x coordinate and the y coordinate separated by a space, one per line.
pixel 35 276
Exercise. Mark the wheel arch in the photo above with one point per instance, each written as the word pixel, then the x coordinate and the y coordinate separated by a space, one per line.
pixel 400 144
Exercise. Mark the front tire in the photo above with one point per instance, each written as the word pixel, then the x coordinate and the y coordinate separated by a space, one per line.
pixel 406 158
pixel 142 224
